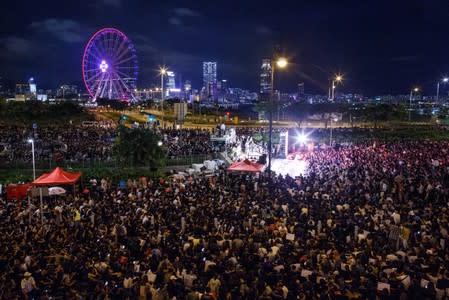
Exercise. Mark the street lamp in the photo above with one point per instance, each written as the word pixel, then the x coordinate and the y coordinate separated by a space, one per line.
pixel 30 140
pixel 337 79
pixel 162 72
pixel 444 80
pixel 32 153
pixel 281 63
pixel 410 104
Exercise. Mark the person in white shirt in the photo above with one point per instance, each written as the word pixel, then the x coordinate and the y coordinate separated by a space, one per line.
pixel 28 286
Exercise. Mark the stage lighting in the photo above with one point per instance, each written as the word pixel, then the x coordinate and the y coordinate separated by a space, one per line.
pixel 301 139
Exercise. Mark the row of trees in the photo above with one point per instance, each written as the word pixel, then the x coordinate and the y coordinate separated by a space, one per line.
pixel 38 111
pixel 374 113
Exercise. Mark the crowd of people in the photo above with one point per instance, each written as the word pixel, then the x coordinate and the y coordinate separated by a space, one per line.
pixel 57 143
pixel 88 143
pixel 187 142
pixel 369 221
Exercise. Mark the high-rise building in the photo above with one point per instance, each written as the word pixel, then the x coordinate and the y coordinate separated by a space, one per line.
pixel 223 85
pixel 187 89
pixel 209 77
pixel 22 92
pixel 301 90
pixel 22 88
pixel 67 91
pixel 187 85
pixel 265 76
pixel 171 83
pixel 26 91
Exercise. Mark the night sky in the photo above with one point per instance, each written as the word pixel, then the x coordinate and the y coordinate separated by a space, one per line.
pixel 380 47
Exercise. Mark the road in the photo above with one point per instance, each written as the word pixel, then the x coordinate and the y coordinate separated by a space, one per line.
pixel 137 115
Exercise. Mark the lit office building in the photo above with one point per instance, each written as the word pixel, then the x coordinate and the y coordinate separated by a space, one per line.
pixel 222 85
pixel 188 86
pixel 33 89
pixel 67 91
pixel 301 89
pixel 265 76
pixel 26 91
pixel 187 89
pixel 171 83
pixel 209 77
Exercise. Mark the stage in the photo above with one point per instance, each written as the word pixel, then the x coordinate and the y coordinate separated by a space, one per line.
pixel 291 167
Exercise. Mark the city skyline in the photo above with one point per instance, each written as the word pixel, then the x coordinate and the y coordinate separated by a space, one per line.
pixel 379 47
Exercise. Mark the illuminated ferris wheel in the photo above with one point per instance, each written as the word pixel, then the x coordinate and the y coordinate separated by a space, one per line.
pixel 110 65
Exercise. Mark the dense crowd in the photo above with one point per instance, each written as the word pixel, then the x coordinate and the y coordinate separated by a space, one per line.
pixel 187 142
pixel 368 222
pixel 88 143
pixel 57 143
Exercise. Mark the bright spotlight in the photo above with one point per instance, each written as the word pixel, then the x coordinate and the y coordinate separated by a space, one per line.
pixel 159 143
pixel 302 138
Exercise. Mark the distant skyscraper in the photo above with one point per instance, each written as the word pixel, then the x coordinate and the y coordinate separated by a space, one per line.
pixel 222 85
pixel 187 89
pixel 300 89
pixel 67 91
pixel 265 76
pixel 33 88
pixel 23 89
pixel 171 83
pixel 187 85
pixel 209 76
pixel 26 91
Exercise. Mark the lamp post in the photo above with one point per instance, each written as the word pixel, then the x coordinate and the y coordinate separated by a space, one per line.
pixel 162 72
pixel 337 79
pixel 410 103
pixel 444 80
pixel 281 62
pixel 34 178
pixel 31 141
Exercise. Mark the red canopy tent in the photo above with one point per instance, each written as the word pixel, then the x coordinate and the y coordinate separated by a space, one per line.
pixel 57 176
pixel 246 166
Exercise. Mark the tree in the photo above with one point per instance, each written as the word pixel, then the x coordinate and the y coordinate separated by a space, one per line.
pixel 266 107
pixel 138 146
pixel 383 112
pixel 115 104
